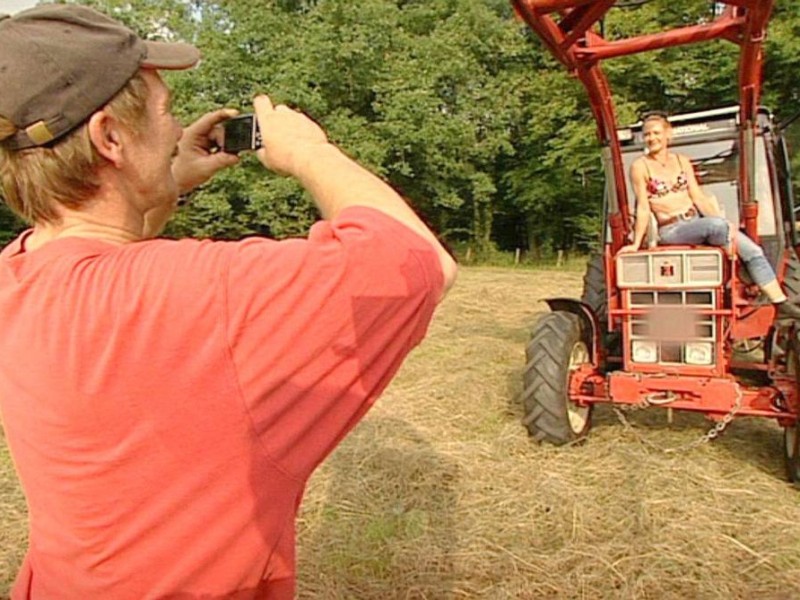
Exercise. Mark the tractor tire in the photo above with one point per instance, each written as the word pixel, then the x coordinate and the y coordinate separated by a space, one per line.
pixel 791 453
pixel 595 295
pixel 791 434
pixel 594 288
pixel 791 280
pixel 556 348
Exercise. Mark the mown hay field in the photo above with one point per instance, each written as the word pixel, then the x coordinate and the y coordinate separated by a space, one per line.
pixel 439 493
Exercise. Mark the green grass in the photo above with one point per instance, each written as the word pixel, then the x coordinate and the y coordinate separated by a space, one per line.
pixel 497 258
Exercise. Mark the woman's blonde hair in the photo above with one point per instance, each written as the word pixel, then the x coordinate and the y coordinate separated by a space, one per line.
pixel 656 116
pixel 34 181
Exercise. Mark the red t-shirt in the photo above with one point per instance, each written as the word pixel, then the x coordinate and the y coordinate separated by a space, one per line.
pixel 166 401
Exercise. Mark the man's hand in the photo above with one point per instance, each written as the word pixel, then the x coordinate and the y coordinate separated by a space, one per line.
pixel 289 138
pixel 196 163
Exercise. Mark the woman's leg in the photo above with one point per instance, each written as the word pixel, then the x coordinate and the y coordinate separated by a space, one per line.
pixel 752 256
pixel 713 231
pixel 763 275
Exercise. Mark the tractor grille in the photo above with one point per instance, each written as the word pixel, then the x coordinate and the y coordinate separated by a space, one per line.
pixel 672 330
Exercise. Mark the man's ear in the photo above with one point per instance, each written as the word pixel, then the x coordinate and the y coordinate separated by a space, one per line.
pixel 106 136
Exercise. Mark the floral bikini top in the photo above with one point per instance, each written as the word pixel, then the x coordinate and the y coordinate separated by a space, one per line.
pixel 658 187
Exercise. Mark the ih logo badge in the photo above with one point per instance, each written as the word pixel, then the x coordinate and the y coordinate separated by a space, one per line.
pixel 668 270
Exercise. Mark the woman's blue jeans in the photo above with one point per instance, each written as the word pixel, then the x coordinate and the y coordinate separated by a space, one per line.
pixel 715 231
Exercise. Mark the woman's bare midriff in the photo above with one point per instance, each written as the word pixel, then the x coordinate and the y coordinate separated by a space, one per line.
pixel 670 205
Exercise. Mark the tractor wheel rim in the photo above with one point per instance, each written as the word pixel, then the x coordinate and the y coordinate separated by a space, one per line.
pixel 578 415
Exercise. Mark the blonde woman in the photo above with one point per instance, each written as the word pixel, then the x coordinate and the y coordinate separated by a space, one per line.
pixel 665 186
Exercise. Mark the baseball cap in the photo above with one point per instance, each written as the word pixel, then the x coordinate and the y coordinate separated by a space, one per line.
pixel 59 63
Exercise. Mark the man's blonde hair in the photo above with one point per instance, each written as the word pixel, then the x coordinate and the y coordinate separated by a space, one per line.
pixel 35 181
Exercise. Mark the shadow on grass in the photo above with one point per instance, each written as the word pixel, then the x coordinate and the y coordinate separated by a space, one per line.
pixel 386 528
pixel 756 442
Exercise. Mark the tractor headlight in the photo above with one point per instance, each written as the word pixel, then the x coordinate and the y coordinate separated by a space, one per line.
pixel 699 353
pixel 644 352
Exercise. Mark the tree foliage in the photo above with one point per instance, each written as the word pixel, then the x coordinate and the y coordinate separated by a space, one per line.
pixel 453 101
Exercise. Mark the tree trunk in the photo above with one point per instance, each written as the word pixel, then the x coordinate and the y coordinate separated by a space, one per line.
pixel 534 240
pixel 482 216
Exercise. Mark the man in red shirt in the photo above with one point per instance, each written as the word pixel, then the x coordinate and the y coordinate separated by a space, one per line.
pixel 165 402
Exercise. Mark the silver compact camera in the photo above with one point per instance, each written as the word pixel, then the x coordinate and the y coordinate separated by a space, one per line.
pixel 241 133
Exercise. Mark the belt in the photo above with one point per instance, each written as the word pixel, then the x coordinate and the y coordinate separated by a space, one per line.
pixel 689 214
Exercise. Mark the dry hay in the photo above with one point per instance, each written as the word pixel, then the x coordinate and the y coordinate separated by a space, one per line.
pixel 439 493
pixel 13 521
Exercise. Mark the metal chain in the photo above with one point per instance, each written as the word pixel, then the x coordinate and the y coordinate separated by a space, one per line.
pixel 711 434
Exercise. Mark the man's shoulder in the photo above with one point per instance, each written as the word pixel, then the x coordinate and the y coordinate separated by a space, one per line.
pixel 175 247
pixel 173 260
pixel 387 229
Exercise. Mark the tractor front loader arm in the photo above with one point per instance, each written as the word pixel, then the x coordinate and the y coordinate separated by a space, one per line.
pixel 568 29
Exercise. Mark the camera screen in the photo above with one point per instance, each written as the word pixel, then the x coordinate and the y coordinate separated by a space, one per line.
pixel 238 134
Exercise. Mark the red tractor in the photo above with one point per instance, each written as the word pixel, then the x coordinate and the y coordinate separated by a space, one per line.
pixel 673 326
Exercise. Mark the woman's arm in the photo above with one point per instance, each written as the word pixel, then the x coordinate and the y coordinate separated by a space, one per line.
pixel 639 180
pixel 706 204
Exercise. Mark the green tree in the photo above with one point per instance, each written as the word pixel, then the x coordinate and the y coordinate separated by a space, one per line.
pixel 453 101
pixel 10 225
